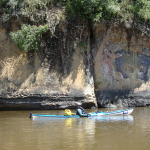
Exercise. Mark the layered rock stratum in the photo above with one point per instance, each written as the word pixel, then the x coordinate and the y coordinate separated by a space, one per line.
pixel 106 65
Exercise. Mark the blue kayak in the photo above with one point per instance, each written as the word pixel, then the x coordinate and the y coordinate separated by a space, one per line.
pixel 94 114
pixel 55 116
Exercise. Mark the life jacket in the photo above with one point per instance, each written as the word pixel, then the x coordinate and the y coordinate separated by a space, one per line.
pixel 83 111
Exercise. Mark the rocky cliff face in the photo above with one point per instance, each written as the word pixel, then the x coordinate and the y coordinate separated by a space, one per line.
pixel 110 63
pixel 54 77
pixel 121 66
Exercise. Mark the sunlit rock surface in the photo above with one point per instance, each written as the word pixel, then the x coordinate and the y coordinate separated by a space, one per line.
pixel 108 65
pixel 121 67
pixel 54 77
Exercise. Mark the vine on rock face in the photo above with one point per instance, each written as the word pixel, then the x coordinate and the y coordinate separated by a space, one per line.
pixel 29 37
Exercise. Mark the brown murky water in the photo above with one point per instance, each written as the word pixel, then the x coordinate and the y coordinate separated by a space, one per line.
pixel 18 132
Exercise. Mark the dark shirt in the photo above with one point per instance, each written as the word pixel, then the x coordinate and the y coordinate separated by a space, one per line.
pixel 81 112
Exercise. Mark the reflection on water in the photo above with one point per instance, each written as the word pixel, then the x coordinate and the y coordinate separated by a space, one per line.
pixel 90 122
pixel 17 132
pixel 68 123
pixel 118 118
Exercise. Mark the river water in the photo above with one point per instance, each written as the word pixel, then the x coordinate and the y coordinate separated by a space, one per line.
pixel 18 132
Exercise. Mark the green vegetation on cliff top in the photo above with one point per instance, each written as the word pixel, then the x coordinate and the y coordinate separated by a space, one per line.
pixel 92 9
pixel 29 37
pixel 130 13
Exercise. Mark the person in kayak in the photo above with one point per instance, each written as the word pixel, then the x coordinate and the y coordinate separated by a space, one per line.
pixel 80 111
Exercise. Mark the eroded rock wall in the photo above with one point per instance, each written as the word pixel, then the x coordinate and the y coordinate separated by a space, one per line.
pixel 54 77
pixel 121 66
pixel 109 62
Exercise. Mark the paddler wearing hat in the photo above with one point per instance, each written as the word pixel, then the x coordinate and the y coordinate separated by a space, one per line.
pixel 80 111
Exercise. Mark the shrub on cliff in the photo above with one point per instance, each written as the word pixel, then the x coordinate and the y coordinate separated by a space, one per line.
pixel 127 11
pixel 132 13
pixel 3 3
pixel 92 9
pixel 29 37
